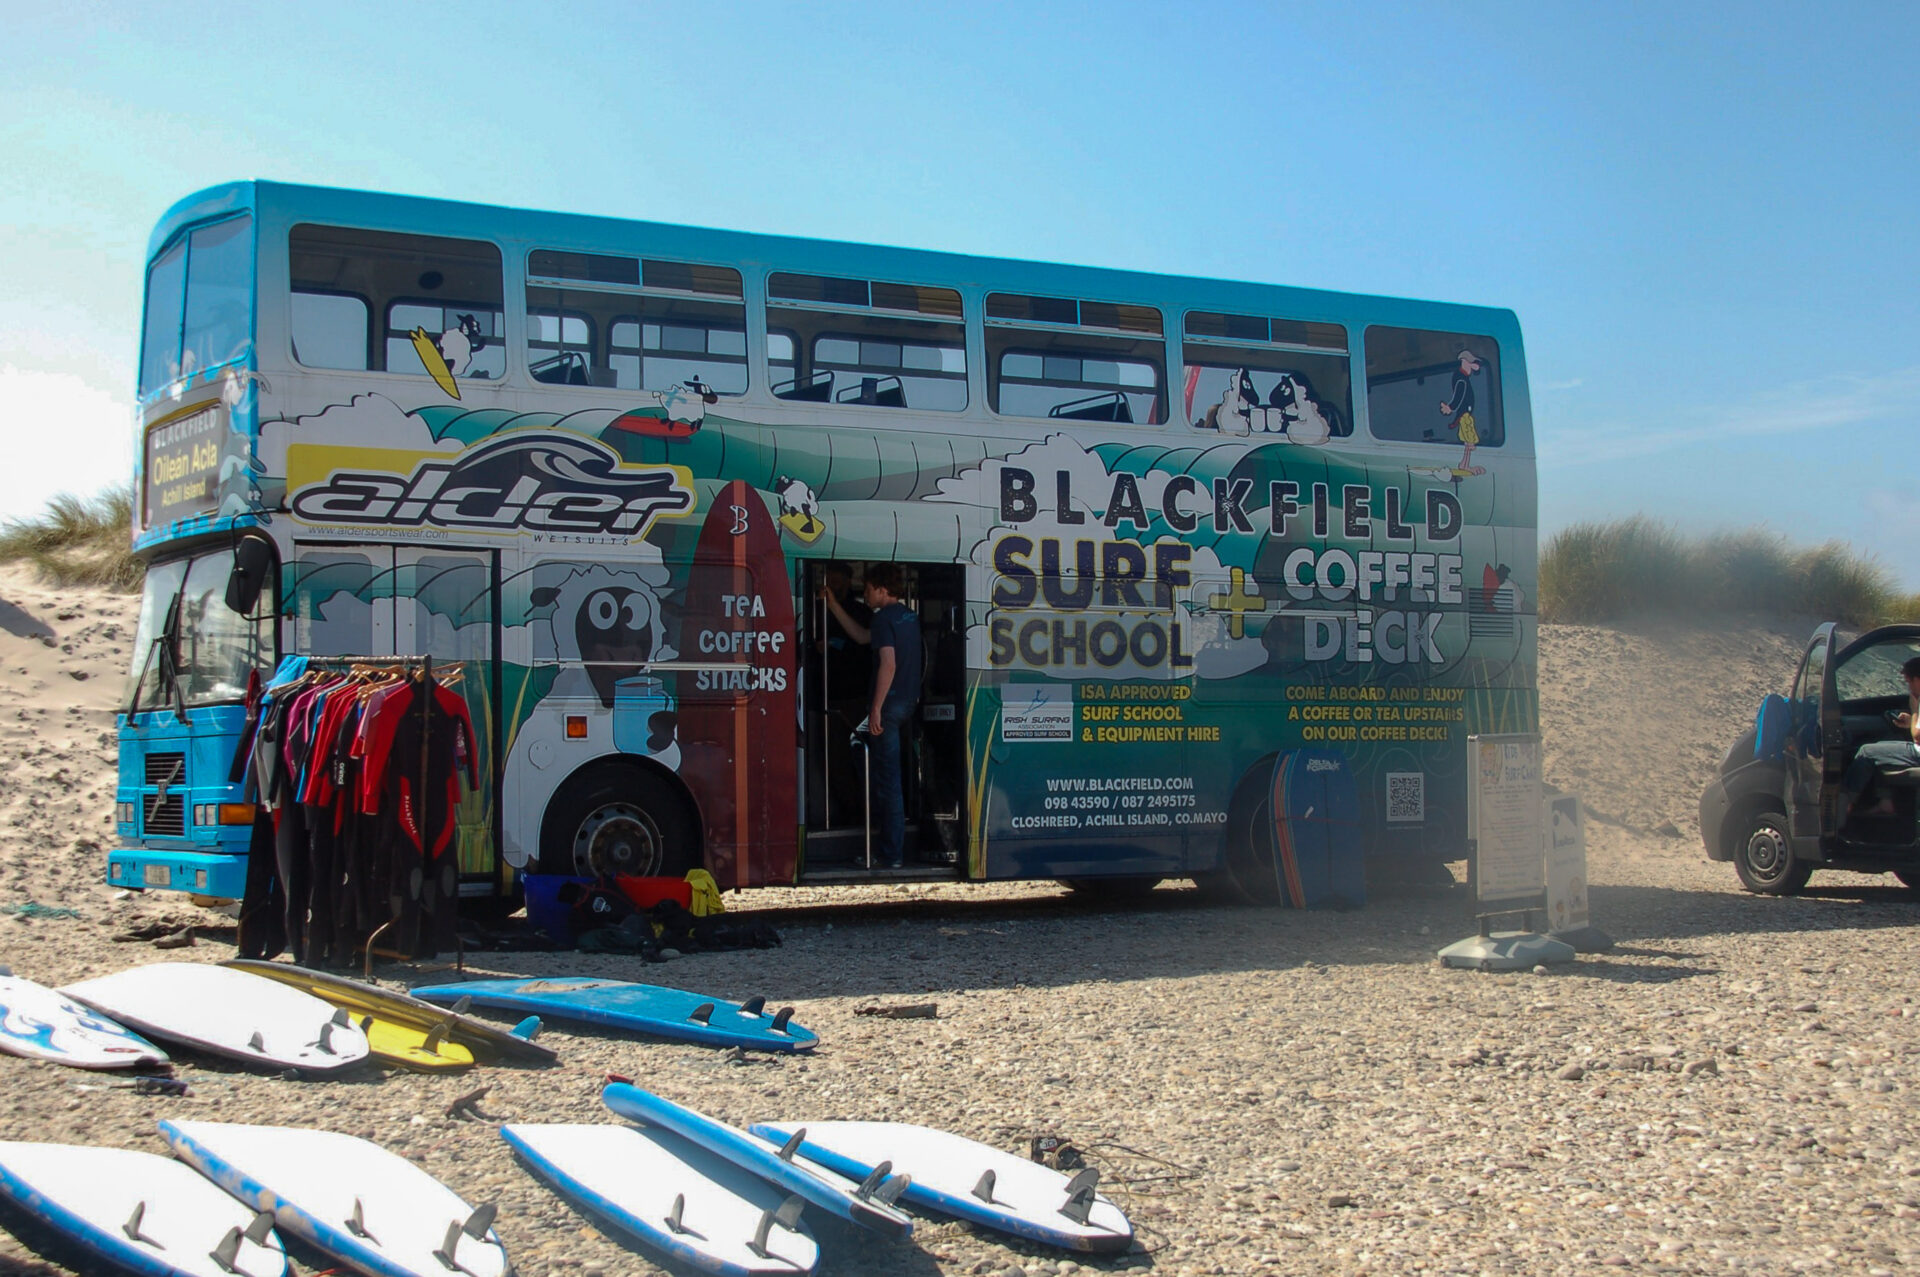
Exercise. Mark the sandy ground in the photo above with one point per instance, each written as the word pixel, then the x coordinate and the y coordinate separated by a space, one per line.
pixel 1730 1090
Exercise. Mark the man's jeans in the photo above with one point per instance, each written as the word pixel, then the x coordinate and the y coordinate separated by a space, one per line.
pixel 888 803
pixel 1874 757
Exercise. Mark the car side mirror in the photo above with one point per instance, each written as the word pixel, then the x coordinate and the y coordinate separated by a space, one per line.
pixel 252 560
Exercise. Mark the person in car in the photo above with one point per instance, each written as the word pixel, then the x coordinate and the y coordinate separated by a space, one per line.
pixel 1879 756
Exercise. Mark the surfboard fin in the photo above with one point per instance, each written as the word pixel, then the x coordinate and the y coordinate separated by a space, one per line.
pixel 701 1014
pixel 132 1227
pixel 780 1019
pixel 462 1004
pixel 258 1042
pixel 874 1179
pixel 753 1005
pixel 792 1145
pixel 436 1035
pixel 890 1192
pixel 357 1224
pixel 474 1226
pixel 339 1020
pixel 1079 1203
pixel 984 1189
pixel 526 1030
pixel 227 1253
pixel 788 1217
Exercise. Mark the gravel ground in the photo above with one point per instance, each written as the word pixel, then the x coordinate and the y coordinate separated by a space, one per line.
pixel 1731 1090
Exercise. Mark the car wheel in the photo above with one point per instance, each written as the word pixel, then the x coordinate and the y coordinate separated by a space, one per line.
pixel 615 818
pixel 1763 857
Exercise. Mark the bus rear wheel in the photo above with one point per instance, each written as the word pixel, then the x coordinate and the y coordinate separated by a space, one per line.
pixel 613 817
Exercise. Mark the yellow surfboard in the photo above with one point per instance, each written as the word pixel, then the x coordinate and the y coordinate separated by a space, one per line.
pixel 436 363
pixel 411 1048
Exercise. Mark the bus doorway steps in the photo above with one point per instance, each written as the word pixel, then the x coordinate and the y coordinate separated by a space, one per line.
pixel 838 875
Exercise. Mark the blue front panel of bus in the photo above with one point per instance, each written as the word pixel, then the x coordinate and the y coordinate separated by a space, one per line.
pixel 173 779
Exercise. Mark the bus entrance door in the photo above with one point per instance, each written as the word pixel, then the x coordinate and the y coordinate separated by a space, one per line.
pixel 835 686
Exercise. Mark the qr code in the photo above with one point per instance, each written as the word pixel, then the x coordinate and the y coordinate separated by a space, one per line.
pixel 1406 796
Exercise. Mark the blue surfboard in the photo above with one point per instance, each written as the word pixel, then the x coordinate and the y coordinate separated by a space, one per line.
pixel 868 1203
pixel 642 1008
pixel 139 1213
pixel 1319 854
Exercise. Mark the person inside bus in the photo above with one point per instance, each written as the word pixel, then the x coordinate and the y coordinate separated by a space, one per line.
pixel 847 666
pixel 894 636
pixel 1876 757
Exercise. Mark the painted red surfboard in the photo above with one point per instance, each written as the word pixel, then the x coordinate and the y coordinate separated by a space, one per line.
pixel 737 723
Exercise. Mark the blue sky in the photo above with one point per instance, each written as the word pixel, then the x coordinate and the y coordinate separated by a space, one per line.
pixel 1703 213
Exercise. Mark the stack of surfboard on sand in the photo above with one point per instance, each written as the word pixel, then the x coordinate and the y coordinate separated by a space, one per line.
pixel 702 1192
pixel 409 1030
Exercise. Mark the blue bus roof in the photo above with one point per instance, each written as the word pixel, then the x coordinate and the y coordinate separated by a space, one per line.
pixel 284 203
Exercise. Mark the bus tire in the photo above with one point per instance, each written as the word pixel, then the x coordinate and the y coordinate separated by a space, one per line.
pixel 1245 874
pixel 618 817
pixel 1763 856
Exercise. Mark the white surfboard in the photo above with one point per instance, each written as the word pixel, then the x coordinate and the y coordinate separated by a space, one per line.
pixel 228 1013
pixel 957 1176
pixel 143 1213
pixel 672 1196
pixel 40 1024
pixel 351 1198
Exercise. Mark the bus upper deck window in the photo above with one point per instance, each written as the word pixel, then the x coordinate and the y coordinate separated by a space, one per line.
pixel 363 300
pixel 1248 375
pixel 1434 387
pixel 632 324
pixel 866 343
pixel 1071 360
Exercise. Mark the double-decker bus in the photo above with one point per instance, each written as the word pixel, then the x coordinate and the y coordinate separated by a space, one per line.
pixel 1160 532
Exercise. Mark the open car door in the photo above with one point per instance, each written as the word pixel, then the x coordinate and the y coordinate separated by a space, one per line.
pixel 1809 742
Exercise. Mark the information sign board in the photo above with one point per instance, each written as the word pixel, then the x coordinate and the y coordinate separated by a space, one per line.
pixel 1566 865
pixel 1505 819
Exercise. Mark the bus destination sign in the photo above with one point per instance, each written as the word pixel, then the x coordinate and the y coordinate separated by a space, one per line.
pixel 183 466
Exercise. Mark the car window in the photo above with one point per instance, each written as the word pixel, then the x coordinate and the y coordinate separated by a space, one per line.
pixel 1874 672
pixel 1806 684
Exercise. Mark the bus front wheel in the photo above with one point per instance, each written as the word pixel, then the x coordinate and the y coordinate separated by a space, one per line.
pixel 613 817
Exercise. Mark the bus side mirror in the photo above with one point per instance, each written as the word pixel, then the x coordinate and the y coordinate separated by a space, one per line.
pixel 252 560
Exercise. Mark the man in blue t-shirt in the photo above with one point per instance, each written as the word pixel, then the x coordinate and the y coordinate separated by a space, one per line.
pixel 894 635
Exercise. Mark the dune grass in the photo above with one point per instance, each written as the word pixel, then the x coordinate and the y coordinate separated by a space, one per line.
pixel 78 541
pixel 1605 571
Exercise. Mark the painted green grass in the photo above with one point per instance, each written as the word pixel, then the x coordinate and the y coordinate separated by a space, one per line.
pixel 1606 571
pixel 78 541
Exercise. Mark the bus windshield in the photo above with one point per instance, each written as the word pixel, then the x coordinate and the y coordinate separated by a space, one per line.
pixel 191 648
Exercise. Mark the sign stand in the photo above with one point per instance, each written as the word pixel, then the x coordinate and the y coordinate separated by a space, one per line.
pixel 1506 839
pixel 1567 916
